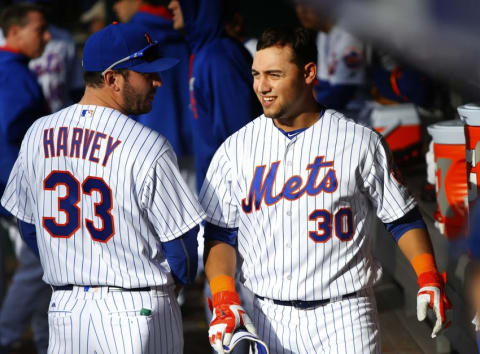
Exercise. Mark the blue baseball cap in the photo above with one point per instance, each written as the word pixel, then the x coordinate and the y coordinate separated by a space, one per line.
pixel 124 46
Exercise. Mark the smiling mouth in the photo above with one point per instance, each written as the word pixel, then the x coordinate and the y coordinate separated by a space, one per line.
pixel 267 101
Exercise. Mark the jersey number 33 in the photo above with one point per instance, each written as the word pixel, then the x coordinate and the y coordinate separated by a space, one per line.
pixel 68 204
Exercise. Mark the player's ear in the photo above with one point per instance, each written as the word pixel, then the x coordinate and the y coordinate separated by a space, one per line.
pixel 13 31
pixel 112 80
pixel 310 72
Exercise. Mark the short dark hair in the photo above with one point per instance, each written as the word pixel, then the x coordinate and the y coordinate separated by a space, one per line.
pixel 157 2
pixel 301 40
pixel 95 78
pixel 16 15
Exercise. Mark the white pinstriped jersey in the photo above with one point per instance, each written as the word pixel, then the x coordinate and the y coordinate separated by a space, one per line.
pixel 58 69
pixel 303 207
pixel 103 192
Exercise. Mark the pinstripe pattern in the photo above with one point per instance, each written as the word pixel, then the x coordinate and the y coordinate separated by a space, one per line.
pixel 151 203
pixel 131 198
pixel 283 226
pixel 325 329
pixel 75 315
pixel 281 261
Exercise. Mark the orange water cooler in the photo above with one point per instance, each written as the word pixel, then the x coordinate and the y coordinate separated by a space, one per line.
pixel 401 128
pixel 451 179
pixel 470 114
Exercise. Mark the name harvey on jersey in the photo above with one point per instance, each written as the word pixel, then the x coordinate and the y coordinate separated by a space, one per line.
pixel 261 189
pixel 80 143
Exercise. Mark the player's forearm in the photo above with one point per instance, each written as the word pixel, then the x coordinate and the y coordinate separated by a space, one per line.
pixel 220 258
pixel 29 236
pixel 182 256
pixel 415 242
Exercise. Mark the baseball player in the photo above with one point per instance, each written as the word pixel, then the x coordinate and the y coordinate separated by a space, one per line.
pixel 21 103
pixel 101 198
pixel 295 191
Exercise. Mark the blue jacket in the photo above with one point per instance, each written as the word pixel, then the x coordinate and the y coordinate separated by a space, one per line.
pixel 170 114
pixel 21 103
pixel 221 93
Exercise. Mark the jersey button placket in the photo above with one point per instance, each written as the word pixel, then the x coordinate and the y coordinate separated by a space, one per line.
pixel 289 172
pixel 288 167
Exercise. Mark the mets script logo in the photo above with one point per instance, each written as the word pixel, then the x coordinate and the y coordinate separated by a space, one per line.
pixel 261 188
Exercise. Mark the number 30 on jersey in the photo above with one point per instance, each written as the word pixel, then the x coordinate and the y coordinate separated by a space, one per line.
pixel 343 221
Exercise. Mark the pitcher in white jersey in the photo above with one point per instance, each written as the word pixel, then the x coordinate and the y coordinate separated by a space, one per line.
pixel 295 191
pixel 100 198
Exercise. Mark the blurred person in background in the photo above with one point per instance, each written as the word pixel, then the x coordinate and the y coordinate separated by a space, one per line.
pixel 235 26
pixel 346 67
pixel 58 69
pixel 125 9
pixel 95 17
pixel 369 84
pixel 21 102
pixel 394 82
pixel 220 81
pixel 170 114
pixel 341 61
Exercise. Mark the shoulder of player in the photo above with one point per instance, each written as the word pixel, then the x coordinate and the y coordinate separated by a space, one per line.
pixel 136 133
pixel 339 118
pixel 237 138
pixel 153 144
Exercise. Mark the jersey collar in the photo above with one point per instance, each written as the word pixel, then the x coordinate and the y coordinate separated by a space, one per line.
pixel 293 133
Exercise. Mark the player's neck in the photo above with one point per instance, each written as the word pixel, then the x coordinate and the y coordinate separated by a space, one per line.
pixel 308 117
pixel 96 97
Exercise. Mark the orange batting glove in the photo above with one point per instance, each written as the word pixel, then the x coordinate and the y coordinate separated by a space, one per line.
pixel 228 313
pixel 432 292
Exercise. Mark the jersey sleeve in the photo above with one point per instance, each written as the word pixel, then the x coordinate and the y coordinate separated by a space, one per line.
pixel 16 197
pixel 384 183
pixel 216 195
pixel 171 206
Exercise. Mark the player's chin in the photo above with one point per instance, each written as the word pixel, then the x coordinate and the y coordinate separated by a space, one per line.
pixel 269 113
pixel 146 108
pixel 37 54
pixel 142 109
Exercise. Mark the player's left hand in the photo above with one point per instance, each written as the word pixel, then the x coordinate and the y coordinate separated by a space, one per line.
pixel 228 315
pixel 432 294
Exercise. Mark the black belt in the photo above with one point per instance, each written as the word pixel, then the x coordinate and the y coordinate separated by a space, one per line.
pixel 70 287
pixel 299 304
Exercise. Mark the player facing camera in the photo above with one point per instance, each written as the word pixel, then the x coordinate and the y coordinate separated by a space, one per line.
pixel 298 187
pixel 284 72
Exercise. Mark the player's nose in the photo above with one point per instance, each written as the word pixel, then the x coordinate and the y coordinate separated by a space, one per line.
pixel 47 36
pixel 156 80
pixel 263 86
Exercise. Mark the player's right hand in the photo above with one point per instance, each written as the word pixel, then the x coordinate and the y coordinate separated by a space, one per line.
pixel 432 294
pixel 228 315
